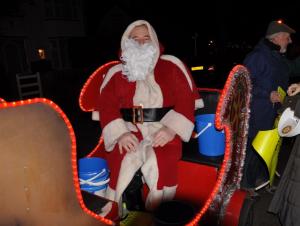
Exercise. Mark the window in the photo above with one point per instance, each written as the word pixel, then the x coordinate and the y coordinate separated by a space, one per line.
pixel 62 9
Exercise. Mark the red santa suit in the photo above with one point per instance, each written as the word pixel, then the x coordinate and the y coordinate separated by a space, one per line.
pixel 168 85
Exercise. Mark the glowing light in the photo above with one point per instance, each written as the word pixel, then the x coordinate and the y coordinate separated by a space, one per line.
pixel 197 68
pixel 211 68
pixel 42 54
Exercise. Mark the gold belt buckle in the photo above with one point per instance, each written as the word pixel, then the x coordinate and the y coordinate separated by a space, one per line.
pixel 137 115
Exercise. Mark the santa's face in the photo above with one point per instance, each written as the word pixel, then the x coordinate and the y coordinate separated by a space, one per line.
pixel 140 34
pixel 138 55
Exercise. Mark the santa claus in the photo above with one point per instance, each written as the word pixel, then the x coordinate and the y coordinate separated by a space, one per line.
pixel 147 110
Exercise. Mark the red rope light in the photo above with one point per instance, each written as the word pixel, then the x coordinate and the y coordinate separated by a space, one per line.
pixel 228 135
pixel 88 82
pixel 209 90
pixel 91 154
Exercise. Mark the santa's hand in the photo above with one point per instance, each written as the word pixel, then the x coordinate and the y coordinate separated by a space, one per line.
pixel 163 136
pixel 128 141
pixel 293 89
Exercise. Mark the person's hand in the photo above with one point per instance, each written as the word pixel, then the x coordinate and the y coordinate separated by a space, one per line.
pixel 293 89
pixel 128 141
pixel 163 136
pixel 275 97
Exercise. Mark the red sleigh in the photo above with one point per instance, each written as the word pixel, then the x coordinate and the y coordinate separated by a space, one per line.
pixel 40 184
pixel 215 192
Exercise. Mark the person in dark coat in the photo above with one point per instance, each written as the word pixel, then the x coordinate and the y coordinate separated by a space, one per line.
pixel 268 71
pixel 286 200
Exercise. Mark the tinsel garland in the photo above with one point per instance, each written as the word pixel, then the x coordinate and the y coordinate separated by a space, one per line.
pixel 232 115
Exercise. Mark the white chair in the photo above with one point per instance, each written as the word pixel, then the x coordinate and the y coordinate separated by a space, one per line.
pixel 29 85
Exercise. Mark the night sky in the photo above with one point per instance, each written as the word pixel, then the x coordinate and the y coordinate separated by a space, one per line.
pixel 177 21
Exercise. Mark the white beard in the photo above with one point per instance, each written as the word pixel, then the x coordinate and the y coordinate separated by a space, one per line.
pixel 138 60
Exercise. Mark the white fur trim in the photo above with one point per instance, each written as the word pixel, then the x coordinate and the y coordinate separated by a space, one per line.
pixel 154 198
pixel 151 174
pixel 179 63
pixel 143 157
pixel 150 168
pixel 199 103
pixel 112 131
pixel 95 116
pixel 100 193
pixel 129 166
pixel 169 193
pixel 106 209
pixel 148 93
pixel 110 193
pixel 179 123
pixel 111 72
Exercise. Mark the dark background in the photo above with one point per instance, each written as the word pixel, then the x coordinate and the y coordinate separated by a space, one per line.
pixel 185 29
pixel 177 22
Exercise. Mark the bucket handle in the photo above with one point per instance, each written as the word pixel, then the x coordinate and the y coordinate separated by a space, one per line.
pixel 89 181
pixel 100 183
pixel 102 173
pixel 204 129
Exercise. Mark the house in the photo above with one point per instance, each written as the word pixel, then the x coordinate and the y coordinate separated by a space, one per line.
pixel 34 36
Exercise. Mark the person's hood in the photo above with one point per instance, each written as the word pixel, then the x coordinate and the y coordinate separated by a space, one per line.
pixel 152 34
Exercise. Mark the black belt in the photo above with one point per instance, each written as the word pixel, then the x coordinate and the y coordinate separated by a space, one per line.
pixel 138 114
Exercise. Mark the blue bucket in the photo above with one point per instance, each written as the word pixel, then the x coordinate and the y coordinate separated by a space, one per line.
pixel 93 174
pixel 211 142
